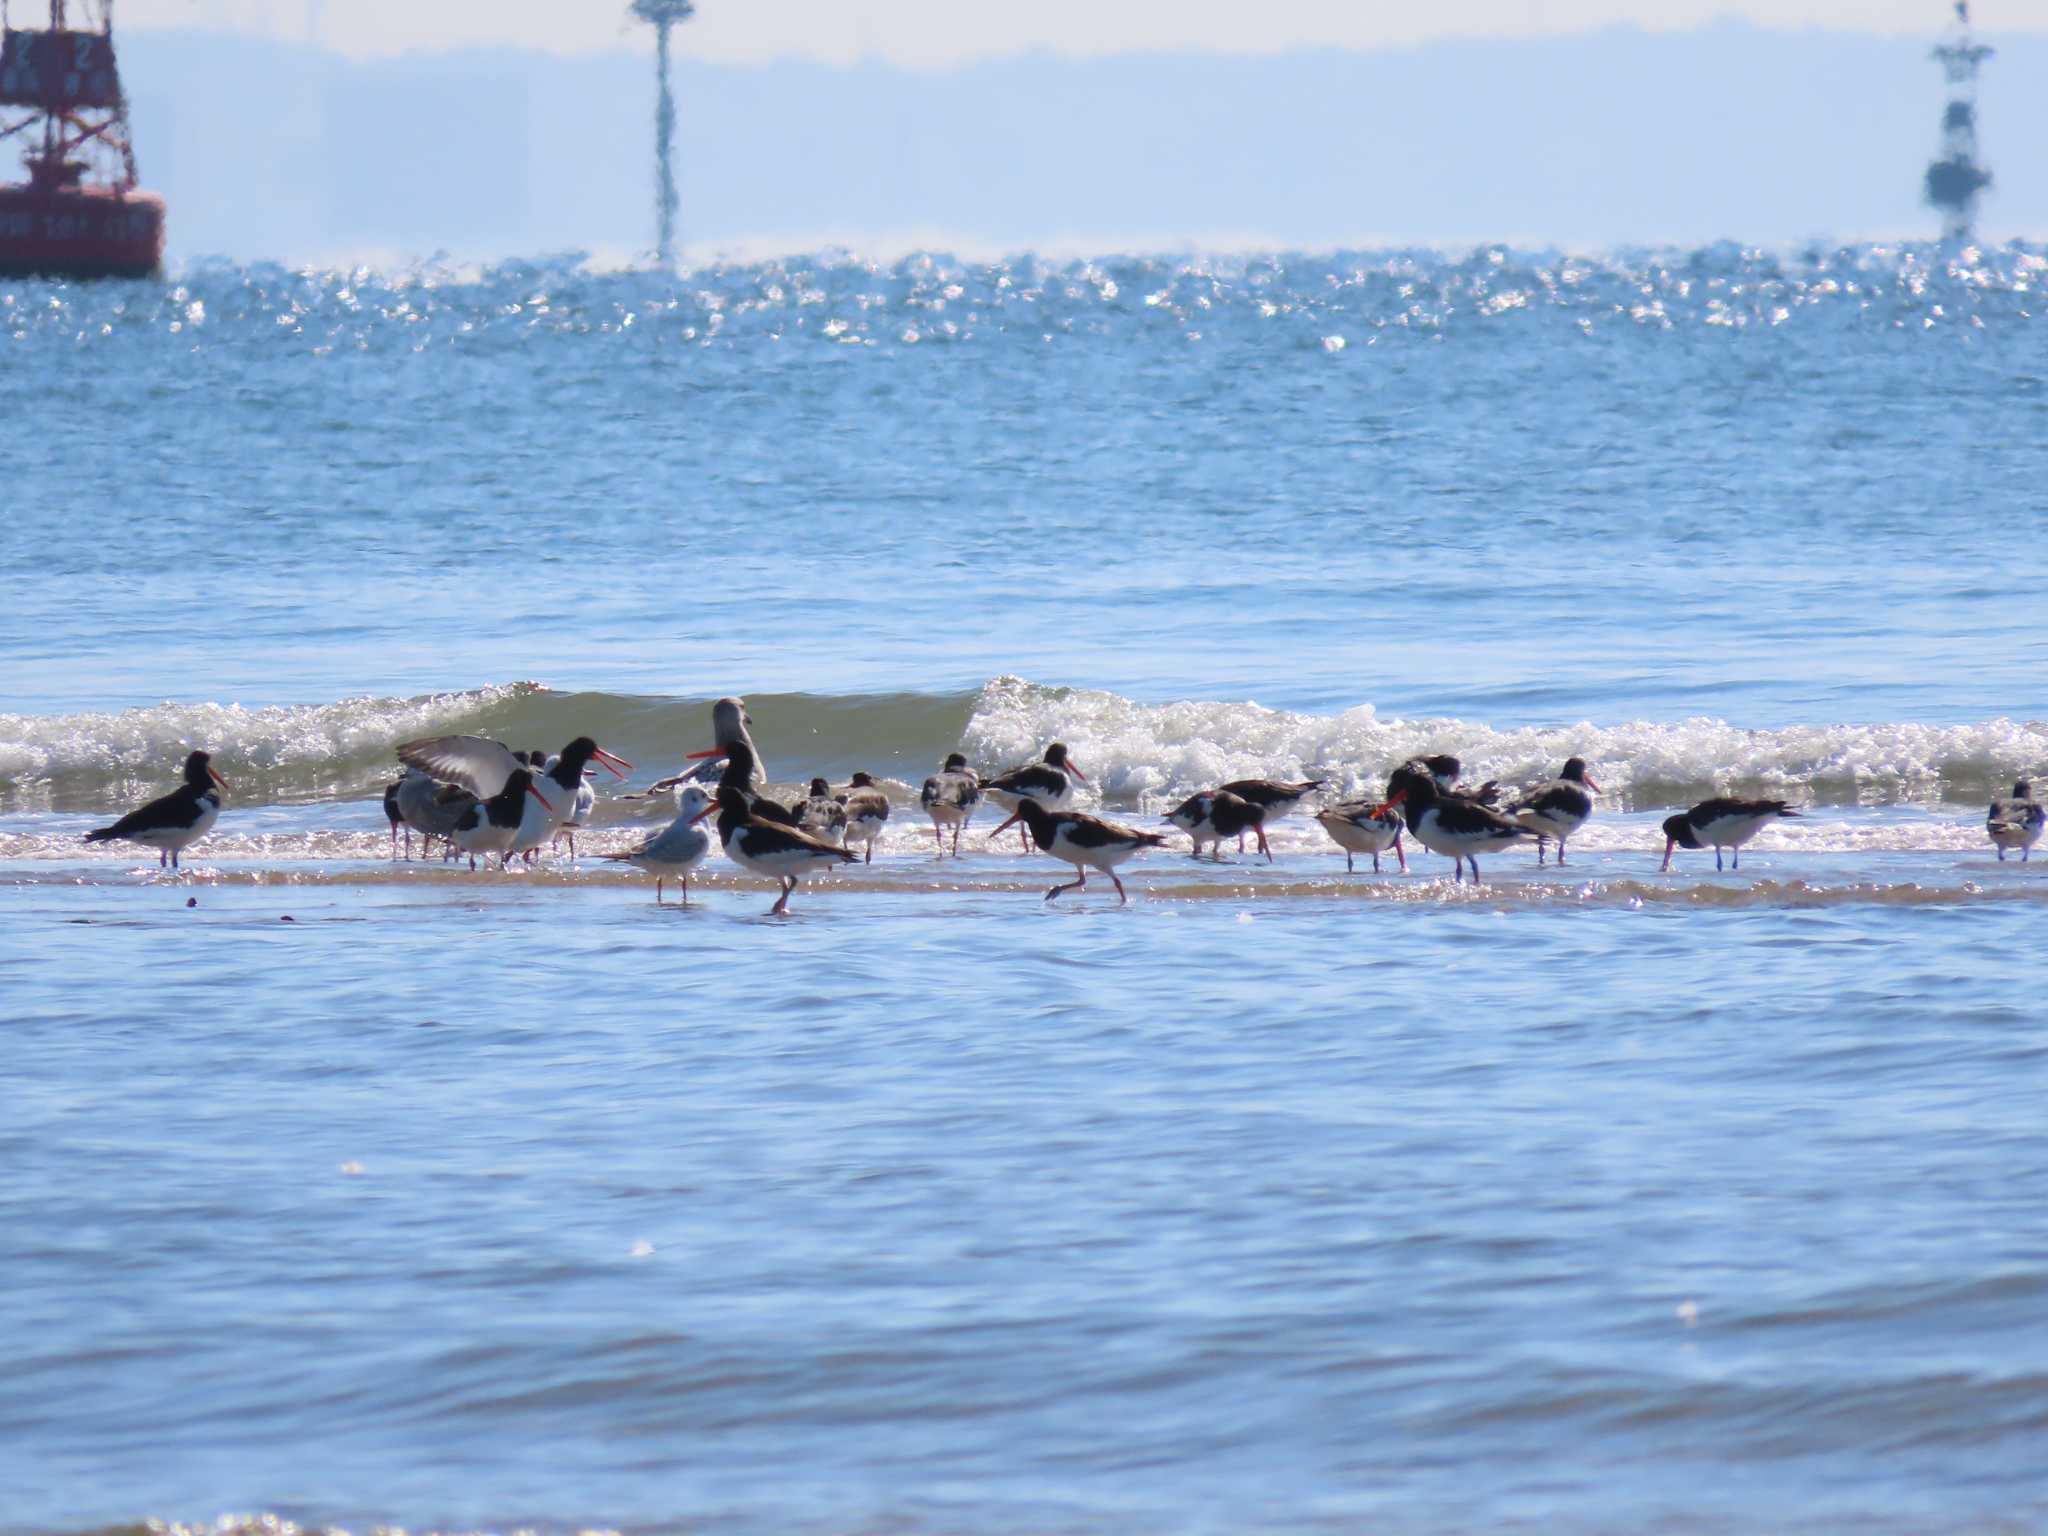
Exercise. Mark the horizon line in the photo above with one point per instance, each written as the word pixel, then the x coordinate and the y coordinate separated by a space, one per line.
pixel 630 43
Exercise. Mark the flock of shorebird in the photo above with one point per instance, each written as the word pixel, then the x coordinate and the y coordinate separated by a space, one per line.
pixel 482 798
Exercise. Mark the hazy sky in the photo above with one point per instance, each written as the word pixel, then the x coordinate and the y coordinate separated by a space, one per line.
pixel 928 33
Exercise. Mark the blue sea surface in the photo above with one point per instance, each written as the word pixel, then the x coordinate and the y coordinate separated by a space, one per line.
pixel 351 1190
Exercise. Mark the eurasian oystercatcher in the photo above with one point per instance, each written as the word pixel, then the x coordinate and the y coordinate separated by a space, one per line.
pixel 490 824
pixel 677 848
pixel 1214 814
pixel 1273 797
pixel 769 847
pixel 1722 823
pixel 2015 821
pixel 561 781
pixel 1086 842
pixel 949 798
pixel 1049 782
pixel 1359 826
pixel 483 765
pixel 1458 828
pixel 173 822
pixel 1559 808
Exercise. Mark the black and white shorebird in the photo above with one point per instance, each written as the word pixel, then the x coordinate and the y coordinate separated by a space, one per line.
pixel 770 847
pixel 821 814
pixel 1360 826
pixel 430 808
pixel 173 822
pixel 1215 814
pixel 562 782
pixel 677 848
pixel 1451 825
pixel 2015 821
pixel 1086 842
pixel 729 722
pixel 1049 783
pixel 949 798
pixel 490 823
pixel 1559 808
pixel 1721 823
pixel 867 812
pixel 483 767
pixel 1274 797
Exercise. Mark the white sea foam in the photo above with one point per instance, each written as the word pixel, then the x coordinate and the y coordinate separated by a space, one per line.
pixel 314 740
pixel 1141 754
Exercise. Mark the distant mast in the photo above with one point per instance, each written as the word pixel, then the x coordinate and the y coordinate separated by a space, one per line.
pixel 664 14
pixel 1955 180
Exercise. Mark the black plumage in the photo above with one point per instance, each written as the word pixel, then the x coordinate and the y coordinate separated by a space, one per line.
pixel 1723 822
pixel 172 822
pixel 1559 808
pixel 1215 814
pixel 1451 825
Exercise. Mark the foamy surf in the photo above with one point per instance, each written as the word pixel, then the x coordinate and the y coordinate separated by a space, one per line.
pixel 277 752
pixel 1145 754
pixel 1140 756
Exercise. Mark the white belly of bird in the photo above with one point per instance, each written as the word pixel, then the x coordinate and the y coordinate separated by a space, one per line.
pixel 1370 837
pixel 1102 859
pixel 777 863
pixel 172 839
pixel 1429 831
pixel 485 837
pixel 1202 832
pixel 1557 825
pixel 1732 831
pixel 537 822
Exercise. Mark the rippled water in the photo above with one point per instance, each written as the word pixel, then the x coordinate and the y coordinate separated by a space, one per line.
pixel 1595 1199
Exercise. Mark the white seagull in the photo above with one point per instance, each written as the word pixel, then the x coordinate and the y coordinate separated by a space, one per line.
pixel 678 848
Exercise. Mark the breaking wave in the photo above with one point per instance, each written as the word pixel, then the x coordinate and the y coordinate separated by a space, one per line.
pixel 1138 755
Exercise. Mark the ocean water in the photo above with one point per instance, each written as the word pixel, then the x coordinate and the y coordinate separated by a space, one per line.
pixel 345 1190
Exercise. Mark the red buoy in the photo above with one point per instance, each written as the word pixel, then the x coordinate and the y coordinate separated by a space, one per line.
pixel 79 214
